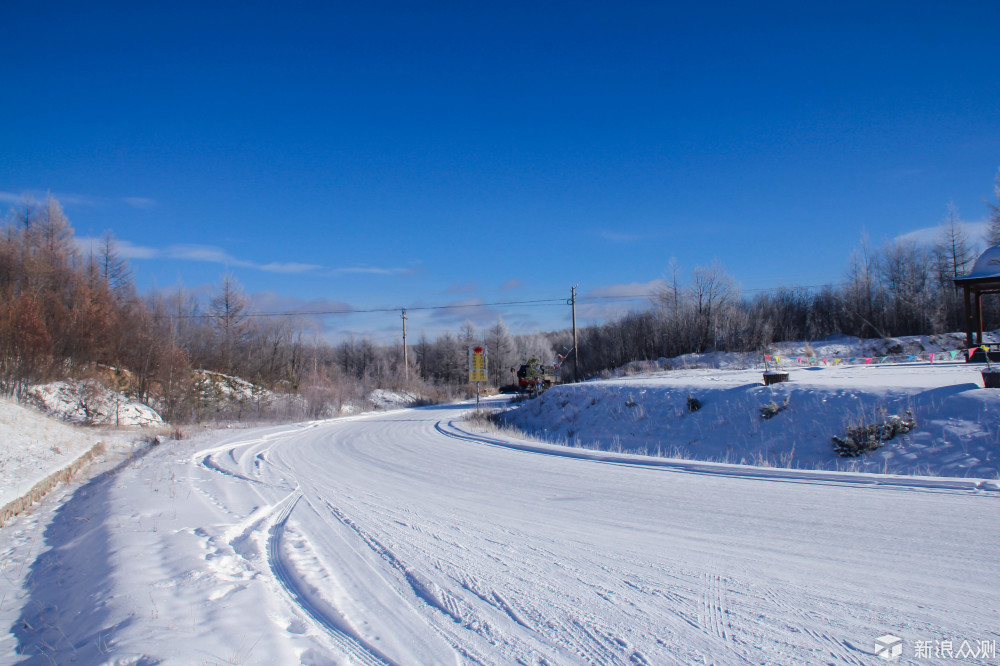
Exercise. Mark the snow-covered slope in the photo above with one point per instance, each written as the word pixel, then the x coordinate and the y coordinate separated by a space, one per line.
pixel 34 446
pixel 957 422
pixel 91 403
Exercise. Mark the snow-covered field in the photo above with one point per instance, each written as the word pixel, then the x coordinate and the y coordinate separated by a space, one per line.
pixel 404 538
pixel 957 421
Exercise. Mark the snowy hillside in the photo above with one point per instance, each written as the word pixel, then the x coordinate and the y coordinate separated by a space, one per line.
pixel 835 387
pixel 91 403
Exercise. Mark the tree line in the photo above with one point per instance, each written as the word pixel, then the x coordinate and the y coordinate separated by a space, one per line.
pixel 902 287
pixel 65 312
pixel 70 312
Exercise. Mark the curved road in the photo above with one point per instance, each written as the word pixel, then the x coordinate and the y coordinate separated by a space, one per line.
pixel 403 538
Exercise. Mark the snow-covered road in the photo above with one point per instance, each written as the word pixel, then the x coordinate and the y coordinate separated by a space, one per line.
pixel 397 538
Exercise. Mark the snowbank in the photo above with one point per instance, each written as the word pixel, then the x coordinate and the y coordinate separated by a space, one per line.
pixel 957 422
pixel 387 399
pixel 91 403
pixel 34 446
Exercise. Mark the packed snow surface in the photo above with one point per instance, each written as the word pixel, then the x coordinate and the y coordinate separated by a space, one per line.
pixel 405 538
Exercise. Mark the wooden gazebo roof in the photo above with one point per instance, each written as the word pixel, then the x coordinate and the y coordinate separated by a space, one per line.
pixel 984 279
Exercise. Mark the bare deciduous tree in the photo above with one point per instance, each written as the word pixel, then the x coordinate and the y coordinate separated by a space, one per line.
pixel 229 307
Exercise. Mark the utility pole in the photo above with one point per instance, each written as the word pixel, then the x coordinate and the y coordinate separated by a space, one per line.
pixel 576 351
pixel 406 365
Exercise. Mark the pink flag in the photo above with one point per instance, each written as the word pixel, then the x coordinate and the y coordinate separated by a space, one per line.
pixel 932 357
pixel 972 351
pixel 867 361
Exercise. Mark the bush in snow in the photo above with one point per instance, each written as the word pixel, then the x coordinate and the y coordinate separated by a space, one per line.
pixel 693 403
pixel 864 438
pixel 772 408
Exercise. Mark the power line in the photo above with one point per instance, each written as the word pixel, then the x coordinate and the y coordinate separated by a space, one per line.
pixel 655 294
pixel 542 302
pixel 320 313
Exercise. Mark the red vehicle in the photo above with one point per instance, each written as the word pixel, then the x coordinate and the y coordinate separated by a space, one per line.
pixel 535 376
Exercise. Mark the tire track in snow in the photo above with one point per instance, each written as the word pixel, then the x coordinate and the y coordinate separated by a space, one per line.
pixel 713 606
pixel 352 645
pixel 208 462
pixel 837 649
pixel 713 612
pixel 427 591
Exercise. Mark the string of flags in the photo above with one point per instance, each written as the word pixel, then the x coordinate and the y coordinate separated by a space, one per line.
pixel 874 360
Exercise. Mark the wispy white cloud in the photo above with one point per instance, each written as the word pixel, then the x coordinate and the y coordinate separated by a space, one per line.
pixel 126 250
pixel 511 285
pixel 468 309
pixel 77 200
pixel 613 300
pixel 132 251
pixel 272 301
pixel 974 231
pixel 370 270
pixel 190 252
pixel 630 290
pixel 140 202
pixel 206 253
pixel 71 199
pixel 289 267
pixel 38 195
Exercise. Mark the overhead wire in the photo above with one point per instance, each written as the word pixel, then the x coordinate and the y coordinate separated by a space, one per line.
pixel 457 306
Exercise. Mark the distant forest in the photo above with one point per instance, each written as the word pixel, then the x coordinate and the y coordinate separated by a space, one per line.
pixel 66 313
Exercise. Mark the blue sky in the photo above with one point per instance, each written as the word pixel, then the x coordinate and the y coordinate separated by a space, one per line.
pixel 380 154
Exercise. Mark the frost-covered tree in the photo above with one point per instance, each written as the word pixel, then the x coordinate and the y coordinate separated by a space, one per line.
pixel 992 236
pixel 499 344
pixel 955 251
pixel 229 308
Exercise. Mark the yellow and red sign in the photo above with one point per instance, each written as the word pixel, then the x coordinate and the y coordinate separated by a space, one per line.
pixel 477 363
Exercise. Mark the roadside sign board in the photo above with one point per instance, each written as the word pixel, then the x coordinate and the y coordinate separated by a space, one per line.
pixel 477 363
